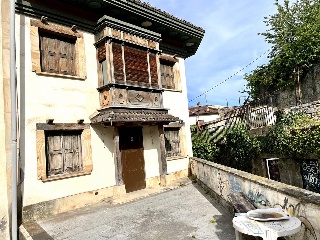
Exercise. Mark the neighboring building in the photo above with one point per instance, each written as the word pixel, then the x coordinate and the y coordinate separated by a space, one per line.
pixel 203 114
pixel 98 83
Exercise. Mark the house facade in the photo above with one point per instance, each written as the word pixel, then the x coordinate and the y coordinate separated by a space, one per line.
pixel 98 87
pixel 204 114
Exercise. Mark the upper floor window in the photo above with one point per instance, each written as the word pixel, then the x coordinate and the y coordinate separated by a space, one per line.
pixel 57 50
pixel 57 54
pixel 167 74
pixel 127 64
pixel 169 71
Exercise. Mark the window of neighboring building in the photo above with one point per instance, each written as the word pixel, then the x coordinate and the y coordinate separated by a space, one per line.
pixel 57 50
pixel 57 54
pixel 172 142
pixel 63 151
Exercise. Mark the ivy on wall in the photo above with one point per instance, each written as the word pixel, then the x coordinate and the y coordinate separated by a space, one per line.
pixel 294 134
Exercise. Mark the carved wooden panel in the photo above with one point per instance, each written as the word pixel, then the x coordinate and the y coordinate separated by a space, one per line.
pixel 135 39
pixel 156 99
pixel 129 97
pixel 152 44
pixel 139 98
pixel 119 96
pixel 116 33
pixel 104 98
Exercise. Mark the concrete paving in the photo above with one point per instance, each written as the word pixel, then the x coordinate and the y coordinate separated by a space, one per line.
pixel 183 213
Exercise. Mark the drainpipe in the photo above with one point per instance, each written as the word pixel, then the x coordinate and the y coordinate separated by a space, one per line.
pixel 13 91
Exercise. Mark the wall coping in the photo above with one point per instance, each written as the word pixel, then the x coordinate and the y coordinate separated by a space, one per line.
pixel 302 194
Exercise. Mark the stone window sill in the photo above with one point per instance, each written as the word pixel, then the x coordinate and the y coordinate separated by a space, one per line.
pixel 176 158
pixel 60 75
pixel 64 176
pixel 171 90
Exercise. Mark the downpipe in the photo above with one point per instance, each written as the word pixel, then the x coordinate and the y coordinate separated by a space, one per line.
pixel 13 95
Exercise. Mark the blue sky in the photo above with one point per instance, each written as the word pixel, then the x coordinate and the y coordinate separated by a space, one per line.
pixel 230 43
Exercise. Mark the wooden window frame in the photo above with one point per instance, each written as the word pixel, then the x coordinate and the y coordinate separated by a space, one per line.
pixel 36 27
pixel 119 56
pixel 174 63
pixel 42 159
pixel 181 128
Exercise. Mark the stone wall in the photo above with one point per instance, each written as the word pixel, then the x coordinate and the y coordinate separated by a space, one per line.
pixel 309 87
pixel 264 193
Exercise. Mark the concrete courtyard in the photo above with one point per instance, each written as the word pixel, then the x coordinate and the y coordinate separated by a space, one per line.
pixel 186 212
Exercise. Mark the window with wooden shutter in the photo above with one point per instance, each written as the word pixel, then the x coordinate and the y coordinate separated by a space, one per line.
pixel 167 74
pixel 136 66
pixel 63 150
pixel 172 142
pixel 57 54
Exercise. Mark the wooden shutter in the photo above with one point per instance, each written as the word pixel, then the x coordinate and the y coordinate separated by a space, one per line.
pixel 54 155
pixel 167 76
pixel 172 142
pixel 57 54
pixel 153 70
pixel 117 63
pixel 63 152
pixel 72 150
pixel 136 65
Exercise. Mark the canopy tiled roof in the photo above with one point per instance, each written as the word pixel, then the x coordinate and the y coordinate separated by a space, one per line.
pixel 132 115
pixel 203 110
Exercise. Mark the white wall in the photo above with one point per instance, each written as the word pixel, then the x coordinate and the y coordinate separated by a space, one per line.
pixel 151 152
pixel 177 103
pixel 64 100
pixel 67 100
pixel 4 161
pixel 205 118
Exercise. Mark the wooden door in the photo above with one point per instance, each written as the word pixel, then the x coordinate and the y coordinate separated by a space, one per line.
pixel 131 147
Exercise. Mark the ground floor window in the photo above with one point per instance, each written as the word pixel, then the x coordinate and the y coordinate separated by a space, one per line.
pixel 63 151
pixel 172 142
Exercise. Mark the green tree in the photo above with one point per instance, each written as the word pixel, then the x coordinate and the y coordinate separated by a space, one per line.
pixel 202 144
pixel 294 33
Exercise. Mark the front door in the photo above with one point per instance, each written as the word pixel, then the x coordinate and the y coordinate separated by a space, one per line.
pixel 131 147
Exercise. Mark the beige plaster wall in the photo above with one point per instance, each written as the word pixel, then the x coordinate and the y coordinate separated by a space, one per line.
pixel 151 152
pixel 177 103
pixel 5 121
pixel 264 193
pixel 65 100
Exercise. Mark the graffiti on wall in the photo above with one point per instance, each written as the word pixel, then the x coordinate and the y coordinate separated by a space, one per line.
pixel 229 183
pixel 310 175
pixel 258 198
pixel 307 231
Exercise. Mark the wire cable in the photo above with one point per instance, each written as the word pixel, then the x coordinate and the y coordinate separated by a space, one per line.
pixel 205 92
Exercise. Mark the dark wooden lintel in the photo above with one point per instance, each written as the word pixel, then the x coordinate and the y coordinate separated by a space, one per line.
pixel 62 126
